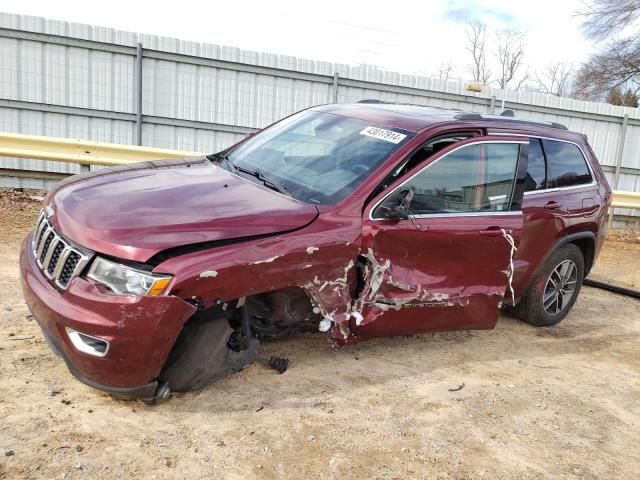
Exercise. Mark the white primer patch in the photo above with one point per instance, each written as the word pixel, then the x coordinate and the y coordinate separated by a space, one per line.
pixel 310 250
pixel 267 260
pixel 325 324
pixel 383 134
pixel 209 273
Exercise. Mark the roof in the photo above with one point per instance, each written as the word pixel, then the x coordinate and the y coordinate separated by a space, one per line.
pixel 413 118
pixel 416 118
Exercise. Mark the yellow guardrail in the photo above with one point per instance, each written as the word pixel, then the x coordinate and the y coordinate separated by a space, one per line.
pixel 84 152
pixel 626 199
pixel 78 151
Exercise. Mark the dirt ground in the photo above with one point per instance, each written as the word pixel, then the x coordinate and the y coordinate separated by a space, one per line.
pixel 562 402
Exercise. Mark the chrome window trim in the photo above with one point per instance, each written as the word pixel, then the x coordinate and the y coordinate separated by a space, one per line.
pixel 560 189
pixel 555 189
pixel 434 215
pixel 462 214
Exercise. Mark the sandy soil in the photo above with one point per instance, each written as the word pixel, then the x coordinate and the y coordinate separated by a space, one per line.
pixel 619 261
pixel 536 403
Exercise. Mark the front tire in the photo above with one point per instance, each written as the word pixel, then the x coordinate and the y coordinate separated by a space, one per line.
pixel 201 354
pixel 555 289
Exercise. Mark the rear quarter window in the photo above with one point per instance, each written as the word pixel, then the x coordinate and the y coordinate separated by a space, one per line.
pixel 566 166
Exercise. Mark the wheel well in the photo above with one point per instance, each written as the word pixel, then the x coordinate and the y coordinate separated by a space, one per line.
pixel 587 247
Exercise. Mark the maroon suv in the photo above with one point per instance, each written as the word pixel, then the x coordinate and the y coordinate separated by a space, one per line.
pixel 362 220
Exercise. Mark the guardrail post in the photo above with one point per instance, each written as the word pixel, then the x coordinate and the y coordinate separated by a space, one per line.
pixel 336 77
pixel 492 107
pixel 619 156
pixel 138 90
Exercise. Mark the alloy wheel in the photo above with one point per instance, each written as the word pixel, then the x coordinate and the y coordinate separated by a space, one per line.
pixel 560 287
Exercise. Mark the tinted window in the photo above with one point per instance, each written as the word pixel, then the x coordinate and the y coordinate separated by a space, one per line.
pixel 535 167
pixel 474 178
pixel 566 164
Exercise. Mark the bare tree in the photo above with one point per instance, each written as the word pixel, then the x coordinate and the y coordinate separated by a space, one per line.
pixel 618 63
pixel 477 47
pixel 557 79
pixel 509 54
pixel 604 18
pixel 446 71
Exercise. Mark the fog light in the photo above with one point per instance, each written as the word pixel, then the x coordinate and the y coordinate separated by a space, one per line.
pixel 88 344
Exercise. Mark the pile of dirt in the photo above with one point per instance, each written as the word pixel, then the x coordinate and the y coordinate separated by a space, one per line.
pixel 628 235
pixel 19 209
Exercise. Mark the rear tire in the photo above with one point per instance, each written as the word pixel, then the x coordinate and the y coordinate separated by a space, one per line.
pixel 555 289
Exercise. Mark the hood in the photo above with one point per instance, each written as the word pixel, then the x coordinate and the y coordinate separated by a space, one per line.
pixel 135 213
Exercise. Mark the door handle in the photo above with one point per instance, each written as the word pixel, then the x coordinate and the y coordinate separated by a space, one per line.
pixel 491 232
pixel 552 205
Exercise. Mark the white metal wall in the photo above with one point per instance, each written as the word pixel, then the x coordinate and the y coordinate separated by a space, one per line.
pixel 71 80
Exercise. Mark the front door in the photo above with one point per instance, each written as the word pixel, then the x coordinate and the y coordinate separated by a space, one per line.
pixel 438 244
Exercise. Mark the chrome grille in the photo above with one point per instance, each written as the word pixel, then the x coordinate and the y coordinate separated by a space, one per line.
pixel 59 260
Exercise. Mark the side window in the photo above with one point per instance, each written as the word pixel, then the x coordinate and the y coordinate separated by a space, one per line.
pixel 433 146
pixel 474 178
pixel 536 173
pixel 567 166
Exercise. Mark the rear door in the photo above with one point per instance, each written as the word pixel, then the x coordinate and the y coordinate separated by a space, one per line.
pixel 561 197
pixel 448 265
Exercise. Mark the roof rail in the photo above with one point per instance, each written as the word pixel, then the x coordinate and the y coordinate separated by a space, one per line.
pixel 504 118
pixel 372 100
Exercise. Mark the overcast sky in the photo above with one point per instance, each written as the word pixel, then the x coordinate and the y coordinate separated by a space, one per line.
pixel 407 36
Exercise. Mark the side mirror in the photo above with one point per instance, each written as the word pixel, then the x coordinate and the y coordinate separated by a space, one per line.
pixel 397 207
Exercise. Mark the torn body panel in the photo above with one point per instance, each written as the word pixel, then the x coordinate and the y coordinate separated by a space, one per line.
pixel 447 275
pixel 310 259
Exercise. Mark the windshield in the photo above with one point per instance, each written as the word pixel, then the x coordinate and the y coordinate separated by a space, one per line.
pixel 316 157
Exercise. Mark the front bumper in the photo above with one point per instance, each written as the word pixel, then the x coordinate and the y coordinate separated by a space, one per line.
pixel 140 330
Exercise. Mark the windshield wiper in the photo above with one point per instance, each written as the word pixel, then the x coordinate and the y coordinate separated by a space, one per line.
pixel 265 180
pixel 224 159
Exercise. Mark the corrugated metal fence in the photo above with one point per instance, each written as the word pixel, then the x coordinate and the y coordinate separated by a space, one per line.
pixel 70 80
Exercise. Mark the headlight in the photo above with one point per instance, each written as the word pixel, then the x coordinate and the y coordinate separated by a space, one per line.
pixel 127 280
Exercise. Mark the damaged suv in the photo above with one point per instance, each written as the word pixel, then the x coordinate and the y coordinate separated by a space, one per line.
pixel 363 221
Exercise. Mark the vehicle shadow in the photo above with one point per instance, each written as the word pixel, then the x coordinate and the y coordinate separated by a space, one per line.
pixel 318 373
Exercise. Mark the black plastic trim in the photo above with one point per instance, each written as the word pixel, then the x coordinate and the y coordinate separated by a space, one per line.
pixel 477 117
pixel 563 241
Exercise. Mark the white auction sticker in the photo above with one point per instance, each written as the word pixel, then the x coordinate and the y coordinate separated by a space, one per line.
pixel 382 134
